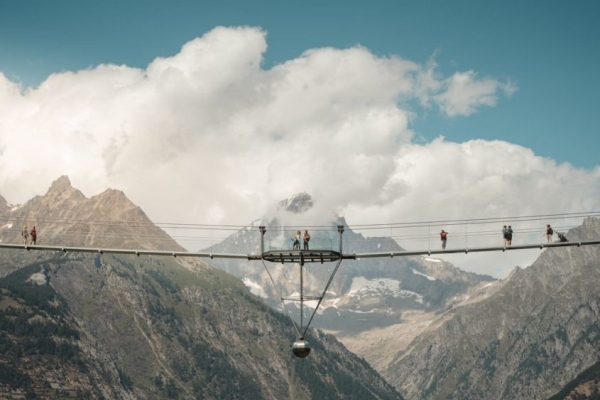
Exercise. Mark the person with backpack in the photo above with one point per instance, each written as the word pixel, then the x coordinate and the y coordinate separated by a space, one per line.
pixel 33 235
pixel 509 233
pixel 306 239
pixel 444 238
pixel 25 234
pixel 549 233
pixel 505 235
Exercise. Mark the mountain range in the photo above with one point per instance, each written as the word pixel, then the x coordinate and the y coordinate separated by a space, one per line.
pixel 367 296
pixel 436 332
pixel 535 333
pixel 125 327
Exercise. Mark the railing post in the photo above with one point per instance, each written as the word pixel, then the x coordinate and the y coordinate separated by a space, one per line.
pixel 263 230
pixel 429 236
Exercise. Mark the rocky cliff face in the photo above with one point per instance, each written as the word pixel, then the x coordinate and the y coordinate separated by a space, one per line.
pixel 535 333
pixel 118 327
pixel 370 301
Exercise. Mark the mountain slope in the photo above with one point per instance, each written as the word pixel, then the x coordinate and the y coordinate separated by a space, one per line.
pixel 585 386
pixel 126 327
pixel 532 336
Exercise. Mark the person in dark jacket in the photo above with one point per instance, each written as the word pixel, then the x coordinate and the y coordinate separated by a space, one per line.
pixel 33 235
pixel 443 238
pixel 549 233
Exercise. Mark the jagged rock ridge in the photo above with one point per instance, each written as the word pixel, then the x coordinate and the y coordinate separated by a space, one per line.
pixel 298 203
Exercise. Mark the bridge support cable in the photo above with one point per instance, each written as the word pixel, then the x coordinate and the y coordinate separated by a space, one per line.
pixel 301 294
pixel 282 299
pixel 341 232
pixel 322 296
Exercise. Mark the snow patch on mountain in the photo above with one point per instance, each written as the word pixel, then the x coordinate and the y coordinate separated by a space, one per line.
pixel 363 287
pixel 309 305
pixel 422 274
pixel 364 312
pixel 254 288
pixel 38 278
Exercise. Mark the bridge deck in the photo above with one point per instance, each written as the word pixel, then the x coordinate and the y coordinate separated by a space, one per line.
pixel 302 256
pixel 294 255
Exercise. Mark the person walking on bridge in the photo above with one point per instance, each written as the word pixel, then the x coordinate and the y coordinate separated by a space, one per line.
pixel 306 239
pixel 505 235
pixel 296 241
pixel 549 233
pixel 25 234
pixel 444 238
pixel 509 233
pixel 33 235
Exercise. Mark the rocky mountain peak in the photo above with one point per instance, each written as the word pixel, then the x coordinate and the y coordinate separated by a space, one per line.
pixel 298 203
pixel 62 189
pixel 591 223
pixel 60 184
pixel 64 216
pixel 113 195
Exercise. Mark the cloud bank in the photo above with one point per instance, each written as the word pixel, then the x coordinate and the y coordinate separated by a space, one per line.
pixel 210 136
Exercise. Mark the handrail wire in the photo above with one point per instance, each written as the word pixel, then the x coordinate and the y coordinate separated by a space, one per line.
pixel 533 217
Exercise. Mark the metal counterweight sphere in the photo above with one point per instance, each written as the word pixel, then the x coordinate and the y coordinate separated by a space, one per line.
pixel 301 348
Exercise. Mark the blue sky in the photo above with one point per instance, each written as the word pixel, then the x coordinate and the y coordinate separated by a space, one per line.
pixel 549 49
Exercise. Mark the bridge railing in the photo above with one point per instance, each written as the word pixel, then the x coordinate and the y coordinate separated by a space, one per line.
pixel 279 244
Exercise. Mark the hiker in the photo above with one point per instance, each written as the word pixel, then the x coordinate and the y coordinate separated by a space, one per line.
pixel 33 235
pixel 306 239
pixel 561 237
pixel 505 234
pixel 444 238
pixel 509 233
pixel 296 241
pixel 25 234
pixel 549 233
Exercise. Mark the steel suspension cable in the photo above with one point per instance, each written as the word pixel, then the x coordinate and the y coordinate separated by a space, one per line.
pixel 322 296
pixel 281 297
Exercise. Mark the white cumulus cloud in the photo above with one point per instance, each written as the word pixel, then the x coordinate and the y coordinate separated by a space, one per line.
pixel 464 94
pixel 209 135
